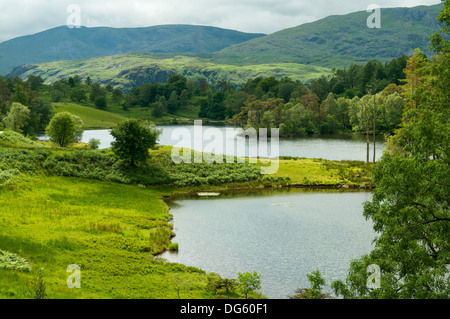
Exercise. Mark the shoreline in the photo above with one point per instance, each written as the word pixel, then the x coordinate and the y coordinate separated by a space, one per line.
pixel 195 194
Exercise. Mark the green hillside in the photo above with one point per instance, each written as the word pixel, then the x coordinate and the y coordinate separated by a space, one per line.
pixel 133 69
pixel 341 40
pixel 92 118
pixel 62 43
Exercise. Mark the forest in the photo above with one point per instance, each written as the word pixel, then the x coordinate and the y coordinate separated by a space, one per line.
pixel 360 98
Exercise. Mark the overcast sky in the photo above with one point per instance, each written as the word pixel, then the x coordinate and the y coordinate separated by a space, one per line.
pixel 23 17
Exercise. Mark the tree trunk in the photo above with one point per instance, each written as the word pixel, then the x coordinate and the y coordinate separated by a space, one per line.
pixel 368 139
pixel 374 127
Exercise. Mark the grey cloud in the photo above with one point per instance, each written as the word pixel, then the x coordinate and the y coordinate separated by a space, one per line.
pixel 22 17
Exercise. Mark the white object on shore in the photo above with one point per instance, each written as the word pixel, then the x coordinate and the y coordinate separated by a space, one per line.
pixel 283 204
pixel 208 194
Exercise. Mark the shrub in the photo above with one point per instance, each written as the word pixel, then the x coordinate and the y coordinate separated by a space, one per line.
pixel 173 247
pixel 37 286
pixel 94 143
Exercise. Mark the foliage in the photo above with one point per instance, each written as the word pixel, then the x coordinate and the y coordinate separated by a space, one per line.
pixel 35 112
pixel 249 283
pixel 315 292
pixel 94 143
pixel 133 140
pixel 410 206
pixel 17 117
pixel 219 286
pixel 64 129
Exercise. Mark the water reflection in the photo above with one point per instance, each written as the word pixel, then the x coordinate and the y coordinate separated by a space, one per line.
pixel 284 235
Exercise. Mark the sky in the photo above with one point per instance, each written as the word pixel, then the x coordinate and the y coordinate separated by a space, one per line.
pixel 24 17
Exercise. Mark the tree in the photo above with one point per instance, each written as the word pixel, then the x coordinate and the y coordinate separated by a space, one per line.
pixel 64 129
pixel 17 117
pixel 219 285
pixel 249 282
pixel 158 109
pixel 372 88
pixel 77 95
pixel 315 292
pixel 411 201
pixel 133 140
pixel 96 92
pixel 40 115
pixel 203 85
pixel 35 82
pixel 101 102
pixel 117 96
pixel 367 106
pixel 173 103
pixel 296 121
pixel 94 143
pixel 391 111
pixel 417 70
pixel 5 96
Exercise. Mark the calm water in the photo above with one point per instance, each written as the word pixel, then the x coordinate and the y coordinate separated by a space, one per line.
pixel 335 147
pixel 283 235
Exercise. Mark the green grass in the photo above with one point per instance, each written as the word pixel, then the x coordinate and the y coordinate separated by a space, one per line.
pixel 111 231
pixel 16 140
pixel 319 172
pixel 92 118
pixel 132 69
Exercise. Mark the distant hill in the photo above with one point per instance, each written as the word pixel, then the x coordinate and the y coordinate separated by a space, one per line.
pixel 132 69
pixel 339 40
pixel 62 43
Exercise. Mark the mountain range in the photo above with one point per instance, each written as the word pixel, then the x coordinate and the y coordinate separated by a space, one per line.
pixel 63 43
pixel 130 56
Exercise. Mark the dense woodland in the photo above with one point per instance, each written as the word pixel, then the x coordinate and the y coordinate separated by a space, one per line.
pixel 340 102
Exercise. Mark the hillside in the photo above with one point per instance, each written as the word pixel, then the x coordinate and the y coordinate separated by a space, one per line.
pixel 62 43
pixel 133 69
pixel 338 41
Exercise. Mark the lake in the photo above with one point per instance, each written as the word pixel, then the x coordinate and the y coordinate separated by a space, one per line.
pixel 333 147
pixel 283 235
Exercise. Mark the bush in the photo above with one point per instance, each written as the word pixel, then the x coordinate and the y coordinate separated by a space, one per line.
pixel 94 143
pixel 173 247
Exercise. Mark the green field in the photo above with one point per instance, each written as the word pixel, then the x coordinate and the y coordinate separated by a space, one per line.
pixel 111 231
pixel 92 118
pixel 106 119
